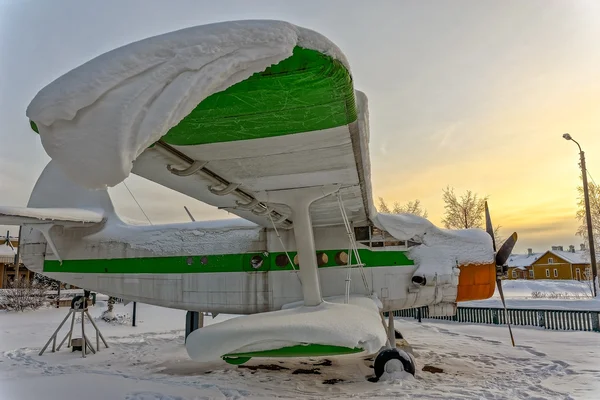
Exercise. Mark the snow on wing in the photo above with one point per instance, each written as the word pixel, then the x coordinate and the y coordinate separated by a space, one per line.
pixel 56 216
pixel 260 105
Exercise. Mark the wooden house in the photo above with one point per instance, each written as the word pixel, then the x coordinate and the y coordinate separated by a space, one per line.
pixel 520 265
pixel 8 269
pixel 560 264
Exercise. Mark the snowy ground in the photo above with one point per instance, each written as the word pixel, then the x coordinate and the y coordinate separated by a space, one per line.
pixel 574 295
pixel 149 362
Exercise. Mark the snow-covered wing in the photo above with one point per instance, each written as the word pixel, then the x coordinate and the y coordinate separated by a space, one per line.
pixel 249 105
pixel 57 216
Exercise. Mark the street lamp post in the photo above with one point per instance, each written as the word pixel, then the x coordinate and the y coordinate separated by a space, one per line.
pixel 588 214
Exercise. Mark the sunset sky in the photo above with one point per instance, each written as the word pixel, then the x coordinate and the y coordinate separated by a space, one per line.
pixel 471 94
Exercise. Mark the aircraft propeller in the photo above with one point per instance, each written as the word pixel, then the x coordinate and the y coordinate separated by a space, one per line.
pixel 501 258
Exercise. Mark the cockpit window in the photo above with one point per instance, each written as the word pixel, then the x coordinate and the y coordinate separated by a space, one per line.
pixel 376 238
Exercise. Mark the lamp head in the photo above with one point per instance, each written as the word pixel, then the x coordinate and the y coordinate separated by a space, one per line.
pixel 567 136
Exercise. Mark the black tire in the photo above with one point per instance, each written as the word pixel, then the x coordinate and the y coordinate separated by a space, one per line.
pixel 393 354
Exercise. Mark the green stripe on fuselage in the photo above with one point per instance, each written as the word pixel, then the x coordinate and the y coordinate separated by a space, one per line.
pixel 214 263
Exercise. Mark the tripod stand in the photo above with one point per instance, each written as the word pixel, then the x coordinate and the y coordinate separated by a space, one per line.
pixel 78 305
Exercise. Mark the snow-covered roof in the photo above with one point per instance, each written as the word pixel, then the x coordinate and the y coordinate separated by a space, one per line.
pixel 6 251
pixel 523 260
pixel 578 257
pixel 7 254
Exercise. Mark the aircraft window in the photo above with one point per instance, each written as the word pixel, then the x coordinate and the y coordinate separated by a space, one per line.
pixel 281 260
pixel 341 258
pixel 204 260
pixel 322 259
pixel 394 243
pixel 371 236
pixel 362 233
pixel 190 260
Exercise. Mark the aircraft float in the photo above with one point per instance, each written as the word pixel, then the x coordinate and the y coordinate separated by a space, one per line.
pixel 259 118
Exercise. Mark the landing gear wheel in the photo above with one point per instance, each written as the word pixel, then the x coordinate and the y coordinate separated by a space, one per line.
pixel 392 360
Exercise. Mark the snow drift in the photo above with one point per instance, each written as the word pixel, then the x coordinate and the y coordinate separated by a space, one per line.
pixel 441 250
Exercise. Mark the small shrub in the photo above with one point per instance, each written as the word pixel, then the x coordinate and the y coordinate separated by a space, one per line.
pixel 22 295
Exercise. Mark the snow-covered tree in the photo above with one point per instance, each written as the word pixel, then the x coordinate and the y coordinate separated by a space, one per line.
pixel 411 207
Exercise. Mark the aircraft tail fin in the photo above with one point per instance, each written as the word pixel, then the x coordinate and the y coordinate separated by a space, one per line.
pixel 56 200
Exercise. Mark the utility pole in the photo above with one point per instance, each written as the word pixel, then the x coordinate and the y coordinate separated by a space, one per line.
pixel 588 214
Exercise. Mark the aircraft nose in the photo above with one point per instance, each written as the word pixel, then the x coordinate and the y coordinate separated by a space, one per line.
pixel 476 281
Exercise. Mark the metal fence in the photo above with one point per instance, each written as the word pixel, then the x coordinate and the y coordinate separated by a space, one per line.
pixel 574 320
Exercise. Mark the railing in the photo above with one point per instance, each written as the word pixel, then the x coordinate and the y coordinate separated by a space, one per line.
pixel 575 320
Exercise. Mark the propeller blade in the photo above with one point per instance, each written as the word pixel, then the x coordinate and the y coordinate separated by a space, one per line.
pixel 499 284
pixel 489 228
pixel 506 249
pixel 501 258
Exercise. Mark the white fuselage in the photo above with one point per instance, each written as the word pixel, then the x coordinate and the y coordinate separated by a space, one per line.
pixel 238 289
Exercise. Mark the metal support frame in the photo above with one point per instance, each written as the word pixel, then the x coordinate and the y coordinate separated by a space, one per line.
pixel 86 341
pixel 299 201
pixel 196 166
pixel 239 192
pixel 226 189
pixel 391 330
pixel 193 320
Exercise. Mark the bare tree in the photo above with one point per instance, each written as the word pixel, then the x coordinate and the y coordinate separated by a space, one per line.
pixel 594 195
pixel 411 207
pixel 466 212
pixel 383 206
pixel 588 280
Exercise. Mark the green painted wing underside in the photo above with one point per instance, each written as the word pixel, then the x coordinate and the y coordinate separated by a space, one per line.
pixel 306 92
pixel 307 350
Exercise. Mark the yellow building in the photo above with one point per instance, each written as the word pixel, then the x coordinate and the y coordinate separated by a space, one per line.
pixel 559 264
pixel 553 264
pixel 519 265
pixel 8 270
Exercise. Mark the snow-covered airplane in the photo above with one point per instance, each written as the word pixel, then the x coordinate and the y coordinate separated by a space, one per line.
pixel 260 118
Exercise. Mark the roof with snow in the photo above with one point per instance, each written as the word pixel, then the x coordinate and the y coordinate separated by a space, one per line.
pixel 523 260
pixel 7 254
pixel 578 257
